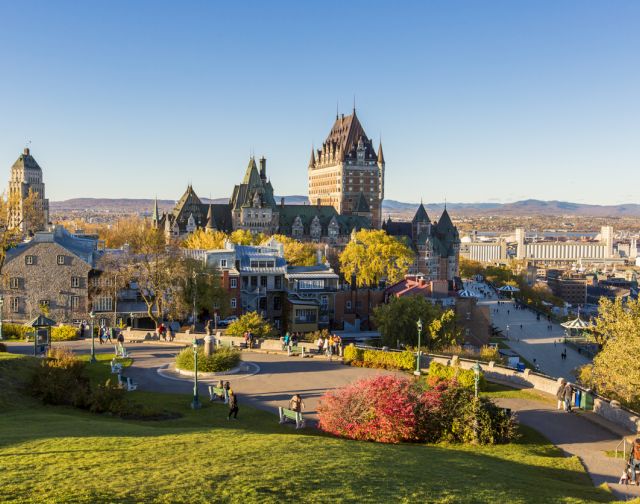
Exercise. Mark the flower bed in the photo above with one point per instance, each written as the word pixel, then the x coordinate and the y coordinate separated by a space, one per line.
pixel 223 359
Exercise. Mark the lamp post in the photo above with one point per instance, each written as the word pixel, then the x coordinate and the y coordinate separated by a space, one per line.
pixel 93 341
pixel 1 304
pixel 476 376
pixel 195 403
pixel 419 326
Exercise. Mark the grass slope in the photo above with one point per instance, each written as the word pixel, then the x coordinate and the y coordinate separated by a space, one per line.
pixel 53 454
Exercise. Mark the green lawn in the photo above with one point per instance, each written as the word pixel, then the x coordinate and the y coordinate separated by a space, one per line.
pixel 54 454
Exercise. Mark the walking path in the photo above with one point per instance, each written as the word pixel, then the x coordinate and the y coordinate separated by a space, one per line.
pixel 530 337
pixel 280 377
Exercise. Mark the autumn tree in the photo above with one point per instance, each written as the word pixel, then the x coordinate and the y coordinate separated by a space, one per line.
pixel 204 240
pixel 615 371
pixel 246 237
pixel 297 253
pixel 201 284
pixel 251 322
pixel 375 256
pixel 470 268
pixel 397 321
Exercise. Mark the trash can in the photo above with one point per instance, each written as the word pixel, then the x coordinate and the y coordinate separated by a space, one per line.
pixel 587 401
pixel 576 398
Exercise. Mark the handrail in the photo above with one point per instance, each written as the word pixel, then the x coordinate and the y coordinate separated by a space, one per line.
pixel 624 448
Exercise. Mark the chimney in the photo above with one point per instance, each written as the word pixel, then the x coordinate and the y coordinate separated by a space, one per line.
pixel 263 168
pixel 26 151
pixel 282 202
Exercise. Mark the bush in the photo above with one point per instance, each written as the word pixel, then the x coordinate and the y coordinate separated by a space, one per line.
pixel 379 359
pixel 392 409
pixel 251 322
pixel 464 377
pixel 60 380
pixel 109 397
pixel 222 359
pixel 3 347
pixel 15 331
pixel 486 353
pixel 64 333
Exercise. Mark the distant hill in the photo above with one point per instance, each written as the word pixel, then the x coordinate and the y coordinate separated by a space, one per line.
pixel 393 207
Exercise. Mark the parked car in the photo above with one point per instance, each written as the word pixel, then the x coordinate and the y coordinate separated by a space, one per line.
pixel 226 321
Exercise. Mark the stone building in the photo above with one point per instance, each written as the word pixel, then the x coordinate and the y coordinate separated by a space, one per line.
pixel 26 176
pixel 53 269
pixel 437 245
pixel 347 170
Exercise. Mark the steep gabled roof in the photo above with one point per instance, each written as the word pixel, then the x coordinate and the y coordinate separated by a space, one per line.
pixel 362 206
pixel 211 223
pixel 188 198
pixel 252 176
pixel 421 215
pixel 380 154
pixel 26 160
pixel 345 135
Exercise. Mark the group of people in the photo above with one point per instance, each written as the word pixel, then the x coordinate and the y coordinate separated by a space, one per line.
pixel 331 345
pixel 166 332
pixel 289 340
pixel 248 339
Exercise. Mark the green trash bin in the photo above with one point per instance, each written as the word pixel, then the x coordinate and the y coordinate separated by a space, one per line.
pixel 586 402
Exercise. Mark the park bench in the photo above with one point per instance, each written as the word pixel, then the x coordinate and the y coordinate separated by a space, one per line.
pixel 127 383
pixel 287 414
pixel 116 367
pixel 217 392
pixel 228 344
pixel 292 349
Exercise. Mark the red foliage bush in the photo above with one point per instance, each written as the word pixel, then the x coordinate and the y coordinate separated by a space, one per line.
pixel 380 409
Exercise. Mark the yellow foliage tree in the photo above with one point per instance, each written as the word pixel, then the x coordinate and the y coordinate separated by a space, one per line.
pixel 206 240
pixel 374 256
pixel 246 237
pixel 296 252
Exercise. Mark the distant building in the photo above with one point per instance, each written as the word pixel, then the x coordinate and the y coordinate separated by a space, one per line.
pixel 437 245
pixel 347 171
pixel 570 287
pixel 26 176
pixel 52 271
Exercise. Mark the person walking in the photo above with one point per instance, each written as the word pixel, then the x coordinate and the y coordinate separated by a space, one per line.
pixel 634 460
pixel 296 403
pixel 320 344
pixel 233 405
pixel 120 345
pixel 172 333
pixel 82 329
pixel 567 394
pixel 560 394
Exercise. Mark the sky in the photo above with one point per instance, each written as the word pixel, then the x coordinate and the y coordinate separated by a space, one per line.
pixel 491 101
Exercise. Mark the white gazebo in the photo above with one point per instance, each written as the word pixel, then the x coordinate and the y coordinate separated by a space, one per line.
pixel 464 293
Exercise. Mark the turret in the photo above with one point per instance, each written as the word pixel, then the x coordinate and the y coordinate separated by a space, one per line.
pixel 263 169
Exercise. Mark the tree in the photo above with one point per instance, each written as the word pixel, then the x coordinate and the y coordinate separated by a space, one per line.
pixel 615 371
pixel 251 322
pixel 206 240
pixel 205 283
pixel 469 268
pixel 397 320
pixel 246 237
pixel 297 253
pixel 154 266
pixel 442 330
pixel 375 256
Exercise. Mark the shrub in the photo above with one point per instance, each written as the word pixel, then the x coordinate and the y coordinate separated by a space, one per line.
pixel 222 359
pixel 60 380
pixel 253 323
pixel 464 377
pixel 378 358
pixel 64 333
pixel 3 347
pixel 482 422
pixel 15 331
pixel 109 397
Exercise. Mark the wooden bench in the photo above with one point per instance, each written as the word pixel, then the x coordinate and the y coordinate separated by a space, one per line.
pixel 287 414
pixel 217 392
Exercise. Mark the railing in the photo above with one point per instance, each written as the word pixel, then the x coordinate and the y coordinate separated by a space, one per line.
pixel 623 442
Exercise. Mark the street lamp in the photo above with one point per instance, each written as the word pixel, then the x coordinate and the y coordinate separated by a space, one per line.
pixel 93 341
pixel 195 403
pixel 419 326
pixel 1 303
pixel 476 376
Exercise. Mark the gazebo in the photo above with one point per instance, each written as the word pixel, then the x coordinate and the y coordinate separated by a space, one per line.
pixel 508 289
pixel 42 334
pixel 464 293
pixel 575 333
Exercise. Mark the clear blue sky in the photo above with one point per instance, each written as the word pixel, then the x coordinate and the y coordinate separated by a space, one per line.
pixel 475 101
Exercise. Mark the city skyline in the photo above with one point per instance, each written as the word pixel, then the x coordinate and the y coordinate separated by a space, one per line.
pixel 521 101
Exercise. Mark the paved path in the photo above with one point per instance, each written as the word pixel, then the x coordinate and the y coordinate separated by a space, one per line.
pixel 530 337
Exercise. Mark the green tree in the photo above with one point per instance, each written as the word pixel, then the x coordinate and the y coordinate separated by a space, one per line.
pixel 615 371
pixel 469 268
pixel 397 320
pixel 375 256
pixel 195 278
pixel 251 322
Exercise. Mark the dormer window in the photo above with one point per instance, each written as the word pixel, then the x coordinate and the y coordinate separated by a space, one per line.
pixel 29 260
pixel 61 260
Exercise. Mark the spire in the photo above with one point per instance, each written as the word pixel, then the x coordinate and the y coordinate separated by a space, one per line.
pixel 312 161
pixel 156 215
pixel 380 154
pixel 421 214
pixel 211 225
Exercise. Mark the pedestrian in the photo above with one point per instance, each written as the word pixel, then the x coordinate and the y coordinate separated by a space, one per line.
pixel 101 334
pixel 560 393
pixel 233 405
pixel 634 460
pixel 250 339
pixel 325 345
pixel 172 333
pixel 296 403
pixel 320 344
pixel 287 340
pixel 82 329
pixel 567 394
pixel 120 345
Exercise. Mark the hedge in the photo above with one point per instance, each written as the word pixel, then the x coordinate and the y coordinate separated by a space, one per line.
pixel 222 359
pixel 378 358
pixel 15 331
pixel 464 377
pixel 64 333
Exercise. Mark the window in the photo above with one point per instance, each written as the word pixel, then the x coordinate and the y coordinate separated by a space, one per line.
pixel 306 316
pixel 348 305
pixel 15 304
pixel 234 303
pixel 324 301
pixel 75 302
pixel 223 263
pixel 103 303
pixel 15 283
pixel 60 259
pixel 278 283
pixel 310 284
pixel 29 260
pixel 44 302
pixel 263 281
pixel 276 303
pixel 75 282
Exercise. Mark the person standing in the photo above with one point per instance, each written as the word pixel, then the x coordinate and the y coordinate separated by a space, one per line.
pixel 82 329
pixel 296 403
pixel 567 396
pixel 634 460
pixel 320 344
pixel 233 405
pixel 560 394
